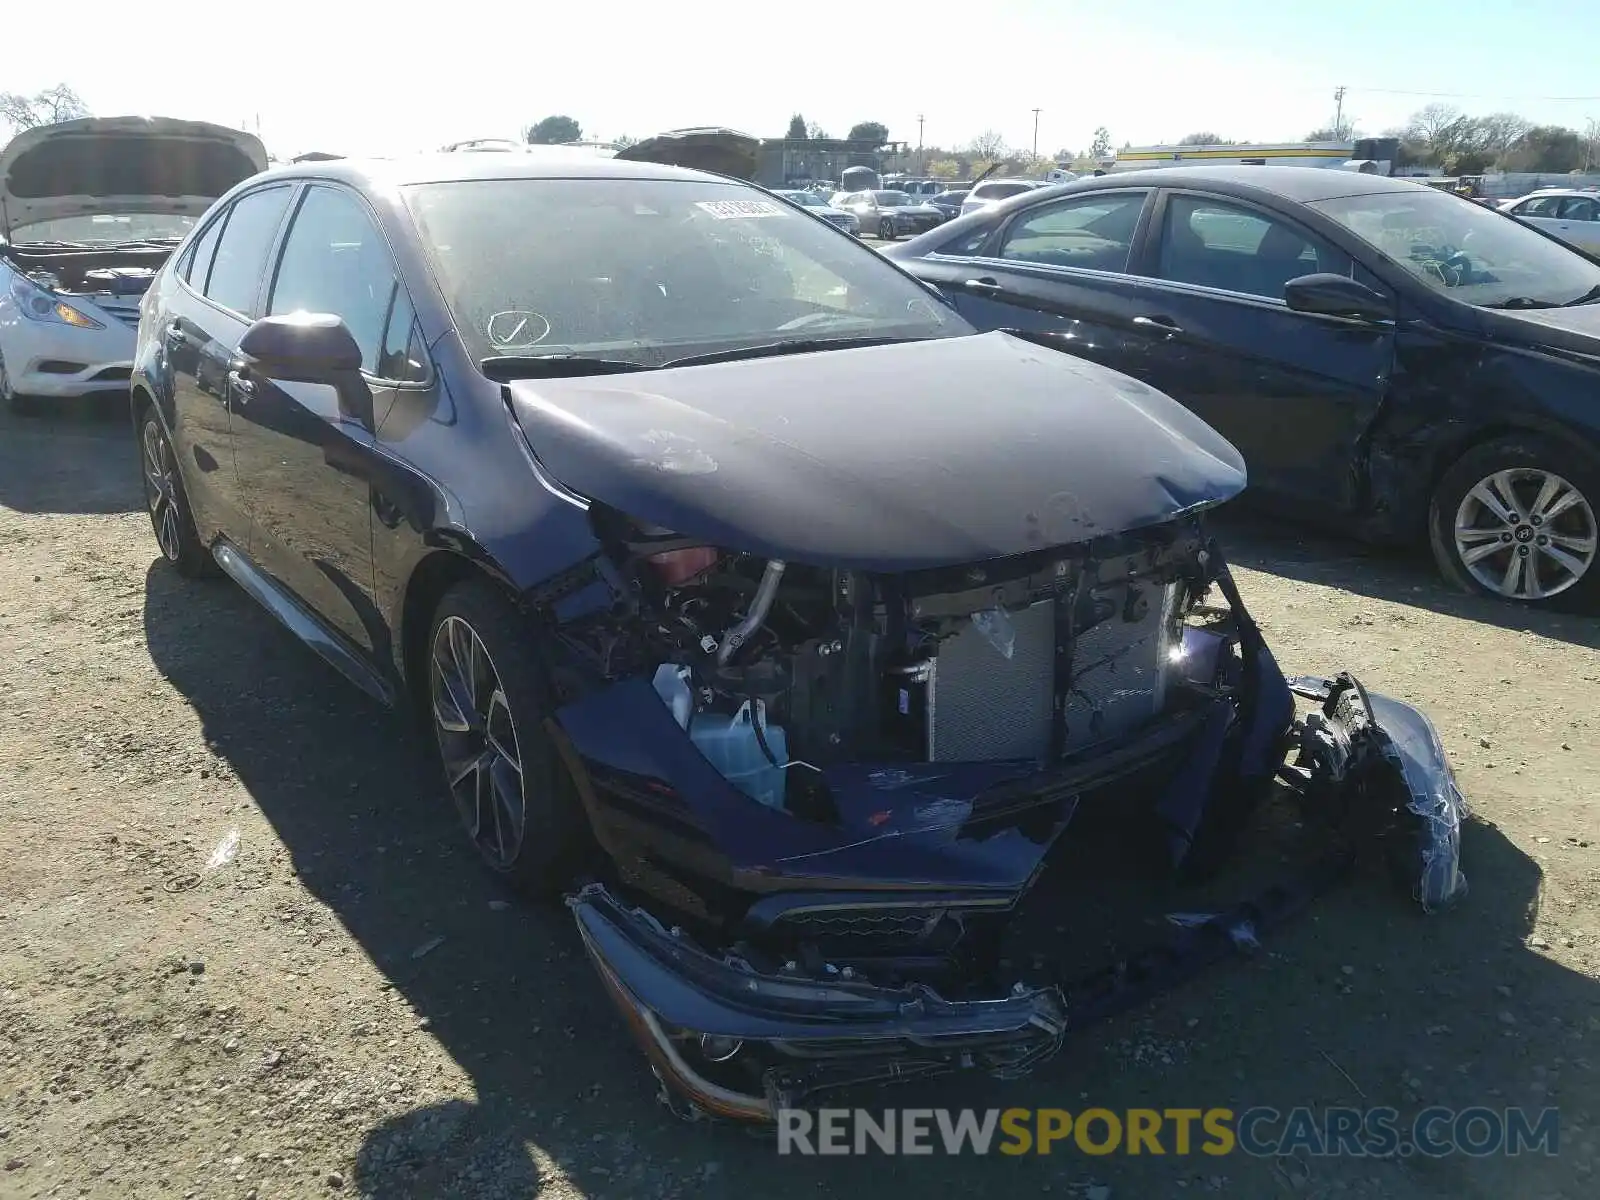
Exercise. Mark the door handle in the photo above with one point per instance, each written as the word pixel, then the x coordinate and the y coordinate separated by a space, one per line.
pixel 241 386
pixel 1165 326
pixel 984 283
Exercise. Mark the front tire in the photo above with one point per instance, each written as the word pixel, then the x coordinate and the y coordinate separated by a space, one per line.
pixel 1516 519
pixel 488 700
pixel 886 230
pixel 167 503
pixel 22 406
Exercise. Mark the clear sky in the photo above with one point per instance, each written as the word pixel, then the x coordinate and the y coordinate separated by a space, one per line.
pixel 385 78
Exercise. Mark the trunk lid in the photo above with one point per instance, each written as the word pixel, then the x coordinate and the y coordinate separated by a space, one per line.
pixel 121 165
pixel 885 458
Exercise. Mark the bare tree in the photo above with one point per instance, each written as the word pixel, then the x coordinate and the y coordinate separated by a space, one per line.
pixel 816 132
pixel 48 107
pixel 987 145
pixel 1101 145
pixel 1204 139
pixel 1498 132
pixel 1437 129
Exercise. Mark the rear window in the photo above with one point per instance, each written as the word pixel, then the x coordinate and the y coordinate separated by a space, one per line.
pixel 999 191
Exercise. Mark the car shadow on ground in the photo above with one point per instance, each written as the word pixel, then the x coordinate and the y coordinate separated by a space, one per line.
pixel 76 457
pixel 1455 1009
pixel 1401 575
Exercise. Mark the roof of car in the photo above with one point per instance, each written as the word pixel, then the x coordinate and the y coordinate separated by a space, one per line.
pixel 1300 184
pixel 444 168
pixel 1588 193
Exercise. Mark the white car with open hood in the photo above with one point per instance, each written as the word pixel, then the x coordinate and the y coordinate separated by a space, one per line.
pixel 89 210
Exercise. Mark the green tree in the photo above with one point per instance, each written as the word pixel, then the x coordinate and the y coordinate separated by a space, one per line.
pixel 875 132
pixel 1205 138
pixel 797 129
pixel 1551 148
pixel 554 130
pixel 1101 145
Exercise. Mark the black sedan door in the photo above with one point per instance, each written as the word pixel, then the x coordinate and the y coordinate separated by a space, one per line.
pixel 305 450
pixel 1295 392
pixel 1056 268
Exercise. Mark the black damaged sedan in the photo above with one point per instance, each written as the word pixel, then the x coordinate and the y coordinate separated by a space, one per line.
pixel 750 597
pixel 1391 360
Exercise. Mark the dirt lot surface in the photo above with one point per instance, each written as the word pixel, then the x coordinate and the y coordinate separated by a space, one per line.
pixel 349 1007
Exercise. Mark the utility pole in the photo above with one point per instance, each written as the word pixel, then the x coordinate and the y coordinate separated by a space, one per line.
pixel 1036 113
pixel 1338 111
pixel 922 167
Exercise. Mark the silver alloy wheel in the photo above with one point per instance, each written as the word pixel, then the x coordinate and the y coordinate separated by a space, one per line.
pixel 161 491
pixel 1526 534
pixel 477 741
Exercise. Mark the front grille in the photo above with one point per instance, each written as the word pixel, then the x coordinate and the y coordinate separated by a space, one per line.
pixel 983 706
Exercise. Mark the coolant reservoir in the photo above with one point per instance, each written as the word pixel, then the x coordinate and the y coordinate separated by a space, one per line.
pixel 672 685
pixel 729 744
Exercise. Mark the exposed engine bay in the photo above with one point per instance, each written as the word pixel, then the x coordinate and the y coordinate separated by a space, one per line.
pixel 777 670
pixel 112 272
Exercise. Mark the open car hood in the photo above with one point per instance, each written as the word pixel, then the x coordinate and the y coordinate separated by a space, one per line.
pixel 712 148
pixel 884 458
pixel 121 165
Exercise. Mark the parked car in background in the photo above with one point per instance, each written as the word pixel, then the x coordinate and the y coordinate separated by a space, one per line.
pixel 89 210
pixel 693 535
pixel 1570 215
pixel 819 207
pixel 1387 357
pixel 889 215
pixel 949 203
pixel 991 191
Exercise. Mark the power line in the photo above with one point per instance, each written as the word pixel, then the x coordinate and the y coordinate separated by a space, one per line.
pixel 1479 96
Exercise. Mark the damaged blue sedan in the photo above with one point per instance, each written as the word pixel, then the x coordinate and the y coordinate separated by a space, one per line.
pixel 788 626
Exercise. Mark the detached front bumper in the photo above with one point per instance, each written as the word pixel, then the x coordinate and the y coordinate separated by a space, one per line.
pixel 740 1044
pixel 731 1041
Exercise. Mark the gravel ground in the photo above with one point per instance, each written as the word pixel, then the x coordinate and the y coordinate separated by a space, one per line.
pixel 347 1006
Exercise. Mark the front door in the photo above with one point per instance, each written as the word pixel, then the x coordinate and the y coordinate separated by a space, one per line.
pixel 305 450
pixel 1295 392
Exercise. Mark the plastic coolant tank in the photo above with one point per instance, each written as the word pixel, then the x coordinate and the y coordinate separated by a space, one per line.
pixel 729 744
pixel 672 685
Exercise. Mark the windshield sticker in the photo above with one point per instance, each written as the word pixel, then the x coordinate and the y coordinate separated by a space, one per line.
pixel 735 210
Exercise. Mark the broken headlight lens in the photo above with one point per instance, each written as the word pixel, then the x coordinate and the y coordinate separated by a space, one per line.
pixel 38 304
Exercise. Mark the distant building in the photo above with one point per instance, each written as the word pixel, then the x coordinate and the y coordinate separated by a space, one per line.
pixel 799 160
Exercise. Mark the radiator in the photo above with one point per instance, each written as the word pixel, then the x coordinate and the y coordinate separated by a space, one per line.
pixel 983 706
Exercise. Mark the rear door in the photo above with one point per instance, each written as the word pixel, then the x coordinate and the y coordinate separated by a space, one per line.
pixel 1295 392
pixel 1542 212
pixel 1578 222
pixel 1058 267
pixel 305 450
pixel 218 298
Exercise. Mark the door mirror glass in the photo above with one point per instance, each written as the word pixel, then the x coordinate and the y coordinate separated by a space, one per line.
pixel 1332 295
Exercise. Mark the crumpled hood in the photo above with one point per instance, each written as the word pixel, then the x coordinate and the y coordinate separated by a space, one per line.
pixel 122 165
pixel 709 148
pixel 885 458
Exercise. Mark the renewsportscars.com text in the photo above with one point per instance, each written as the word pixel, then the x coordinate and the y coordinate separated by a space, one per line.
pixel 1259 1132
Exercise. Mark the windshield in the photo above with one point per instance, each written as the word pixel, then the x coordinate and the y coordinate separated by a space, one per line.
pixel 105 228
pixel 1464 250
pixel 892 199
pixel 1001 191
pixel 648 270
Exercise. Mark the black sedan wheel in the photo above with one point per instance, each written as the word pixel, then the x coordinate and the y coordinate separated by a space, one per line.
pixel 1516 519
pixel 886 230
pixel 166 502
pixel 488 704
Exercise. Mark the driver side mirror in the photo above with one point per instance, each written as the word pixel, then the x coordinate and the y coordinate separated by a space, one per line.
pixel 311 348
pixel 1330 295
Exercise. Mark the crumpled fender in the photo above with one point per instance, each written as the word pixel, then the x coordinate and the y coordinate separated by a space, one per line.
pixel 1358 732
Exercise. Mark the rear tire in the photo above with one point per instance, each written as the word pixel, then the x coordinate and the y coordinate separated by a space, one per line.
pixel 1515 519
pixel 488 699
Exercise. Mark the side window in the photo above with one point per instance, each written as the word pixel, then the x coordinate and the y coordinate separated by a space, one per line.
pixel 401 358
pixel 1093 231
pixel 241 255
pixel 1544 206
pixel 197 260
pixel 1578 208
pixel 1220 245
pixel 968 243
pixel 335 261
